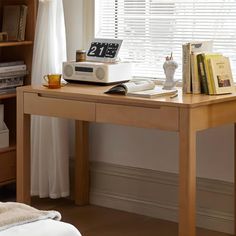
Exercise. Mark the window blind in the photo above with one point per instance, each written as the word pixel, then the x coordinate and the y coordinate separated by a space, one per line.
pixel 152 29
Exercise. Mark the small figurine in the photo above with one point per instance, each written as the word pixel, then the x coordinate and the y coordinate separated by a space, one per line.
pixel 169 68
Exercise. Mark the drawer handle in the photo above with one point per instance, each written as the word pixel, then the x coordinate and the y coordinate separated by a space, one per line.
pixel 56 97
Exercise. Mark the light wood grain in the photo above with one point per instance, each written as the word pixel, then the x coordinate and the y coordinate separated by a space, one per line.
pixel 7 166
pixel 185 114
pixel 11 44
pixel 96 93
pixel 23 152
pixel 81 163
pixel 222 113
pixel 235 178
pixel 187 174
pixel 52 106
pixel 165 118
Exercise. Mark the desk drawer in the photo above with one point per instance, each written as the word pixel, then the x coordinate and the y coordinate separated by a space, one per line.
pixel 7 166
pixel 59 107
pixel 165 118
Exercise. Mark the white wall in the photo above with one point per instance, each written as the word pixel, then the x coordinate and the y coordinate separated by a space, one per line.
pixel 151 149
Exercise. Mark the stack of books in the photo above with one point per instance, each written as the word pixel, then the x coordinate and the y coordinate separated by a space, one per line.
pixel 12 75
pixel 205 71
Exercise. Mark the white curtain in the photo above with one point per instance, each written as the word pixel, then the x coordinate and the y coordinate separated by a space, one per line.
pixel 49 135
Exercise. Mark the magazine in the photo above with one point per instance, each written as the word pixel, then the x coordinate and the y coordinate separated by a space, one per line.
pixel 140 88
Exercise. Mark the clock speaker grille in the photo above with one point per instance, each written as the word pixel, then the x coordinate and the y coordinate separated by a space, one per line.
pixel 68 70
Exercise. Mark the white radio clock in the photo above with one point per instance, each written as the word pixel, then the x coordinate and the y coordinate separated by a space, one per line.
pixel 100 66
pixel 97 72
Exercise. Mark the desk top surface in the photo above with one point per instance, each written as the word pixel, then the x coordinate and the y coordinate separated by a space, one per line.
pixel 95 93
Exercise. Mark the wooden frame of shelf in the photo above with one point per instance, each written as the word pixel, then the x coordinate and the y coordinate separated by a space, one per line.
pixel 11 44
pixel 13 51
pixel 5 95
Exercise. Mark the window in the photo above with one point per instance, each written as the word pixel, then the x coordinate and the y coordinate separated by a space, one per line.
pixel 152 29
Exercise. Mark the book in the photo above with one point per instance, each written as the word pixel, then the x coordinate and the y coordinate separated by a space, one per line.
pixel 10 22
pixel 188 67
pixel 11 83
pixel 196 84
pixel 13 74
pixel 206 57
pixel 134 85
pixel 202 74
pixel 6 69
pixel 157 91
pixel 22 22
pixel 186 77
pixel 1 116
pixel 140 88
pixel 14 21
pixel 11 63
pixel 221 75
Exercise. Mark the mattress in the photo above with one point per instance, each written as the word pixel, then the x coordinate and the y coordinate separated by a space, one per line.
pixel 42 228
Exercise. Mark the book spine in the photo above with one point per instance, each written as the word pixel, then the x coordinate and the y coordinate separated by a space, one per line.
pixel 211 79
pixel 12 68
pixel 13 74
pixel 22 22
pixel 202 74
pixel 208 76
pixel 186 72
pixel 11 63
pixel 1 116
pixel 211 76
pixel 11 83
pixel 196 87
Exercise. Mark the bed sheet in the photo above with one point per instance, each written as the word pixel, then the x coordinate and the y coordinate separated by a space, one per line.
pixel 42 228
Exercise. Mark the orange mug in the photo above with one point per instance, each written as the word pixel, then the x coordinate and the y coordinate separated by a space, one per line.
pixel 53 80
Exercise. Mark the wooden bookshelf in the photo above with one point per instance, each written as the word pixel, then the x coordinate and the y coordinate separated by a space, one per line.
pixel 7 95
pixel 12 51
pixel 12 44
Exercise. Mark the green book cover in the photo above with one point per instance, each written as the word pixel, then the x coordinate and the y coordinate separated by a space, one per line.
pixel 210 82
pixel 202 74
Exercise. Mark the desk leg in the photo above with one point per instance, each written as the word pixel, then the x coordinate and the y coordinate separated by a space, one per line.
pixel 22 152
pixel 234 178
pixel 187 172
pixel 81 163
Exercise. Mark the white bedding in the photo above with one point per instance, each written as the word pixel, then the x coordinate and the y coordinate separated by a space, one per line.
pixel 46 227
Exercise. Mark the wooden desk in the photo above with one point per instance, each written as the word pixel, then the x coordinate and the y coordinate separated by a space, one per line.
pixel 185 114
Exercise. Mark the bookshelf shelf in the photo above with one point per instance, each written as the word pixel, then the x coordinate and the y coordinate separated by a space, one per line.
pixel 7 95
pixel 8 182
pixel 12 44
pixel 8 164
pixel 12 147
pixel 15 51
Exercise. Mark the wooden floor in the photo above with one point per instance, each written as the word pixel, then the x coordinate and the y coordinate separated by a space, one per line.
pixel 100 221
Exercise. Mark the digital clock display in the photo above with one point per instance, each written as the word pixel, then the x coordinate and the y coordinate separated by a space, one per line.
pixel 97 49
pixel 104 49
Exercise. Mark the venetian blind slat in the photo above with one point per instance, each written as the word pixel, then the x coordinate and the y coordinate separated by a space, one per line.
pixel 152 29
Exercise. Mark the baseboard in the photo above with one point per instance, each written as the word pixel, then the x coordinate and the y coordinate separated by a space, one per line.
pixel 155 194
